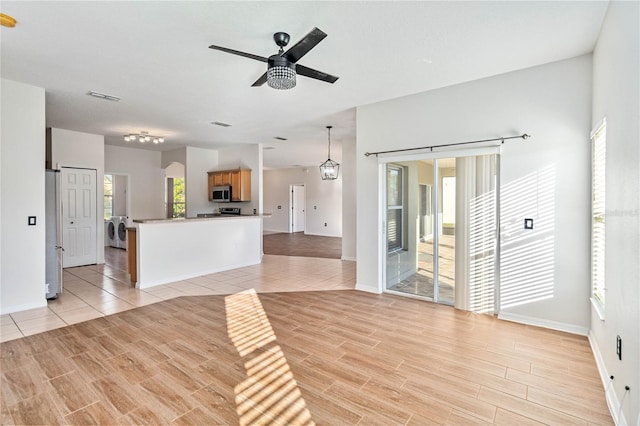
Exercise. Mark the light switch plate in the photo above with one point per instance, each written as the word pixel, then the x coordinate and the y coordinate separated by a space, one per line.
pixel 31 220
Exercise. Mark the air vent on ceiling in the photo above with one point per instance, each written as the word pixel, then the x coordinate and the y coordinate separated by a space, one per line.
pixel 220 123
pixel 103 96
pixel 280 138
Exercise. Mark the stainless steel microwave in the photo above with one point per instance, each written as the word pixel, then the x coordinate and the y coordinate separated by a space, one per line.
pixel 222 194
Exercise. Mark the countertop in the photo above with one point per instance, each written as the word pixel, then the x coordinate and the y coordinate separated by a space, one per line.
pixel 212 217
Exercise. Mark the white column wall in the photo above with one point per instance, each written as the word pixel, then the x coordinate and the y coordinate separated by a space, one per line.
pixel 146 179
pixel 244 157
pixel 552 103
pixel 349 195
pixel 22 157
pixel 616 93
pixel 198 162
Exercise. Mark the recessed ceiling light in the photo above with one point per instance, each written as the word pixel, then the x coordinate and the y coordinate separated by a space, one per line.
pixel 280 138
pixel 103 96
pixel 220 123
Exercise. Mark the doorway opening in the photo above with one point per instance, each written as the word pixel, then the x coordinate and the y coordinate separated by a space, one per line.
pixel 175 191
pixel 440 221
pixel 297 218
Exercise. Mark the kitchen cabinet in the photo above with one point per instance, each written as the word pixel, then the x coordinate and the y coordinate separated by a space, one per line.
pixel 239 180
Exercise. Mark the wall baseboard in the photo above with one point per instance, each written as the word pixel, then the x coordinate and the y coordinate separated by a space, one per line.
pixel 25 307
pixel 609 391
pixel 366 288
pixel 553 325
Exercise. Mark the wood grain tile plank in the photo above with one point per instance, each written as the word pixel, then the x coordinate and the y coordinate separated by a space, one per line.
pixel 508 418
pixel 527 408
pixel 116 394
pixel 71 393
pixel 373 410
pixel 36 410
pixel 591 411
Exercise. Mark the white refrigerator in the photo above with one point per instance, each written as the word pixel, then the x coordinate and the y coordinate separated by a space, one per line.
pixel 53 231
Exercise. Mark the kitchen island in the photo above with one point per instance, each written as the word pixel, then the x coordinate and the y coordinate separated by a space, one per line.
pixel 170 250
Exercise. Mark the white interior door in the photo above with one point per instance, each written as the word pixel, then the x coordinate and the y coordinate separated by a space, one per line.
pixel 79 217
pixel 297 208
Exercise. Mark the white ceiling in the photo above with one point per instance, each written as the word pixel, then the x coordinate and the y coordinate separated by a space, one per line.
pixel 155 56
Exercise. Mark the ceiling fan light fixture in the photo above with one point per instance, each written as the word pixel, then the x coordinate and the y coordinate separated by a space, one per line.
pixel 281 73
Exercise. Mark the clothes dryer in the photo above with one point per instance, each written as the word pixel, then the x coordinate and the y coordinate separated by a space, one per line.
pixel 121 234
pixel 112 231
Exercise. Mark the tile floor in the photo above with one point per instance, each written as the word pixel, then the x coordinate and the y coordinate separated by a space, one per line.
pixel 98 290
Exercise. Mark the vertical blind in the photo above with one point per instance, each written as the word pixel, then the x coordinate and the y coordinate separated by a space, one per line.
pixel 598 199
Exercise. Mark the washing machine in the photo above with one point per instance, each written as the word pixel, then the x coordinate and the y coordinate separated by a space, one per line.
pixel 121 234
pixel 112 231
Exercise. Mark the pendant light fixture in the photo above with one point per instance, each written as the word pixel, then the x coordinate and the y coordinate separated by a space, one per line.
pixel 329 169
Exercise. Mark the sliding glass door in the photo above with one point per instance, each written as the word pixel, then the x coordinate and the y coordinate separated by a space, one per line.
pixel 441 230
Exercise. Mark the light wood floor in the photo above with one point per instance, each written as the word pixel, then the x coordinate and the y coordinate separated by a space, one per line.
pixel 330 357
pixel 299 244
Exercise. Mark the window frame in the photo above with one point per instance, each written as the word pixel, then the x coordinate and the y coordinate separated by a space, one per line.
pixel 106 196
pixel 400 242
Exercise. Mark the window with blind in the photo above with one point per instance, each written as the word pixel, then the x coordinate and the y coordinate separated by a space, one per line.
pixel 598 201
pixel 108 197
pixel 395 208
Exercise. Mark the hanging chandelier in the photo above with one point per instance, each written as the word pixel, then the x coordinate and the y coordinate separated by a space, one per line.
pixel 329 169
pixel 143 137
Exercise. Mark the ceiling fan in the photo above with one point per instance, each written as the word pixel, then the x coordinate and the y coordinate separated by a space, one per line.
pixel 283 67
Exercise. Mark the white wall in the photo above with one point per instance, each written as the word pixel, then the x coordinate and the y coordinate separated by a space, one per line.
pixel 82 150
pixel 174 156
pixel 146 179
pixel 277 193
pixel 323 202
pixel 324 205
pixel 349 205
pixel 175 170
pixel 119 195
pixel 244 157
pixel 550 102
pixel 198 162
pixel 616 91
pixel 22 156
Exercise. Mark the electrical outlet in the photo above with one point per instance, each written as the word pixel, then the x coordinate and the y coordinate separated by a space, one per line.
pixel 279 207
pixel 31 220
pixel 528 224
pixel 619 347
pixel 315 207
pixel 325 224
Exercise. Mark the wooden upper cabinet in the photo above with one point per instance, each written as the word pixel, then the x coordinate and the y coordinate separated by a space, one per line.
pixel 221 178
pixel 239 180
pixel 241 185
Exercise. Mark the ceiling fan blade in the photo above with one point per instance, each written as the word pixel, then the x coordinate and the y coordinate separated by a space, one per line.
pixel 237 52
pixel 262 80
pixel 303 47
pixel 318 75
